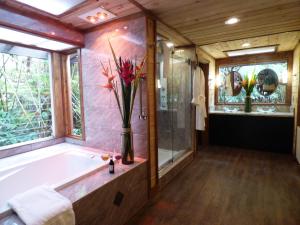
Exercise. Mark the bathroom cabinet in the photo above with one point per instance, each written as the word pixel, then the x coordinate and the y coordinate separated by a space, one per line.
pixel 266 133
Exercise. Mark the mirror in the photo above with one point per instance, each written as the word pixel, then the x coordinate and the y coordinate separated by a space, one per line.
pixel 233 83
pixel 267 82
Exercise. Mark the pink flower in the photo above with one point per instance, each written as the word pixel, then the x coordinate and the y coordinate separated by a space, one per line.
pixel 110 78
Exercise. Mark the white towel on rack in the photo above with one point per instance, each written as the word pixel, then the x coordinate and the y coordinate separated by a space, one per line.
pixel 199 98
pixel 43 206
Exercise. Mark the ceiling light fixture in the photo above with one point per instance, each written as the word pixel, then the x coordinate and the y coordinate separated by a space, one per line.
pixel 125 27
pixel 170 44
pixel 251 51
pixel 97 16
pixel 232 20
pixel 101 15
pixel 246 45
pixel 92 19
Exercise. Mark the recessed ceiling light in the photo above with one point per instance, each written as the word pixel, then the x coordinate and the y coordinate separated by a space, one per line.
pixel 251 51
pixel 117 30
pixel 232 20
pixel 170 44
pixel 125 27
pixel 245 45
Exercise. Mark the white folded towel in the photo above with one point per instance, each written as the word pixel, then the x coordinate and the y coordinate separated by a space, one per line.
pixel 43 206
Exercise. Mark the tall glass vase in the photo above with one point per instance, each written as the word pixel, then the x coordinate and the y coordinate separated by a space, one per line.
pixel 248 103
pixel 127 146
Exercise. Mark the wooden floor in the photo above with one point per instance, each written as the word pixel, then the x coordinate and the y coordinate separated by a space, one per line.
pixel 225 186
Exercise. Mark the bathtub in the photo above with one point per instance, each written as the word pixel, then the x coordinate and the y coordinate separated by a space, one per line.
pixel 55 166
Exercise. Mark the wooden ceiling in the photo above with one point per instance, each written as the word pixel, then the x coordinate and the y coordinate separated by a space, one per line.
pixel 199 22
pixel 71 18
pixel 284 41
pixel 203 21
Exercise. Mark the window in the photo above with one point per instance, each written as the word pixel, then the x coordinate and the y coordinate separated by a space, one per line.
pixel 14 36
pixel 278 96
pixel 25 95
pixel 55 7
pixel 74 95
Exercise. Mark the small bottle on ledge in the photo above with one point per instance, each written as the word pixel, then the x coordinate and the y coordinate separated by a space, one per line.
pixel 111 166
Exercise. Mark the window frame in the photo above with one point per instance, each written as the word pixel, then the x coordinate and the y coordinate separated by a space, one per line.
pixel 258 59
pixel 67 96
pixel 36 143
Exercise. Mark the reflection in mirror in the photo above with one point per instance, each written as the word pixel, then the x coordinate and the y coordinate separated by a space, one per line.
pixel 267 82
pixel 278 95
pixel 233 83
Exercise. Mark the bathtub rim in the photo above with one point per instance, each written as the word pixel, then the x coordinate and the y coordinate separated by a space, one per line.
pixel 5 210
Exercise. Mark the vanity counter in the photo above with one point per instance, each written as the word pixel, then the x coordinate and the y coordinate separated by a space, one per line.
pixel 256 113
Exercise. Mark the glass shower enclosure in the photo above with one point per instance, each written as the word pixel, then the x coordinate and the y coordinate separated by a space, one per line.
pixel 173 104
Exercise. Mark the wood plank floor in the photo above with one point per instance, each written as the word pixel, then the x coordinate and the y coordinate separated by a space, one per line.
pixel 225 186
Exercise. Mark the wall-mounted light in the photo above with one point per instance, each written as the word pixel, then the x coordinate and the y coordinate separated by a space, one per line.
pixel 170 44
pixel 232 20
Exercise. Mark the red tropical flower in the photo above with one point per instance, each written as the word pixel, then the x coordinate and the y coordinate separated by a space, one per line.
pixel 126 71
pixel 109 86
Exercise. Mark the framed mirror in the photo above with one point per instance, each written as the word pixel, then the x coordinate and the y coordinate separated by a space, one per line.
pixel 267 82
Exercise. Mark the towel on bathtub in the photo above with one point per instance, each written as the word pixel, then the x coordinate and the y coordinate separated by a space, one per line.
pixel 43 206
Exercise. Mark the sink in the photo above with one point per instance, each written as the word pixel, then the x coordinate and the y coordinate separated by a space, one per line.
pixel 266 110
pixel 227 109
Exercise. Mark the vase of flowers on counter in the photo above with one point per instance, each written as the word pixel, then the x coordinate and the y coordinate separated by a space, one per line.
pixel 130 73
pixel 248 84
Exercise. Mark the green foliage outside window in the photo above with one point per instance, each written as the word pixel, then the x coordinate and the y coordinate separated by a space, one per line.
pixel 75 95
pixel 25 98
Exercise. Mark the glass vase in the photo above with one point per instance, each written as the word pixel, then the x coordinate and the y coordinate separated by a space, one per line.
pixel 127 146
pixel 247 103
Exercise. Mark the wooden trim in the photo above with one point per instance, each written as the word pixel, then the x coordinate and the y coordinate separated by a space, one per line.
pixel 46 20
pixel 83 137
pixel 152 122
pixel 59 128
pixel 254 59
pixel 32 12
pixel 67 102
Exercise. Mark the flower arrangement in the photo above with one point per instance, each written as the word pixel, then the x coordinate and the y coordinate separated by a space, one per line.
pixel 130 75
pixel 248 84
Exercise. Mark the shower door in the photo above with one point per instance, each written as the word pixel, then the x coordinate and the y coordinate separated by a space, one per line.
pixel 173 103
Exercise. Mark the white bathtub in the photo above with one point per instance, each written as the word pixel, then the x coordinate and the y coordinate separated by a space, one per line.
pixel 55 166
